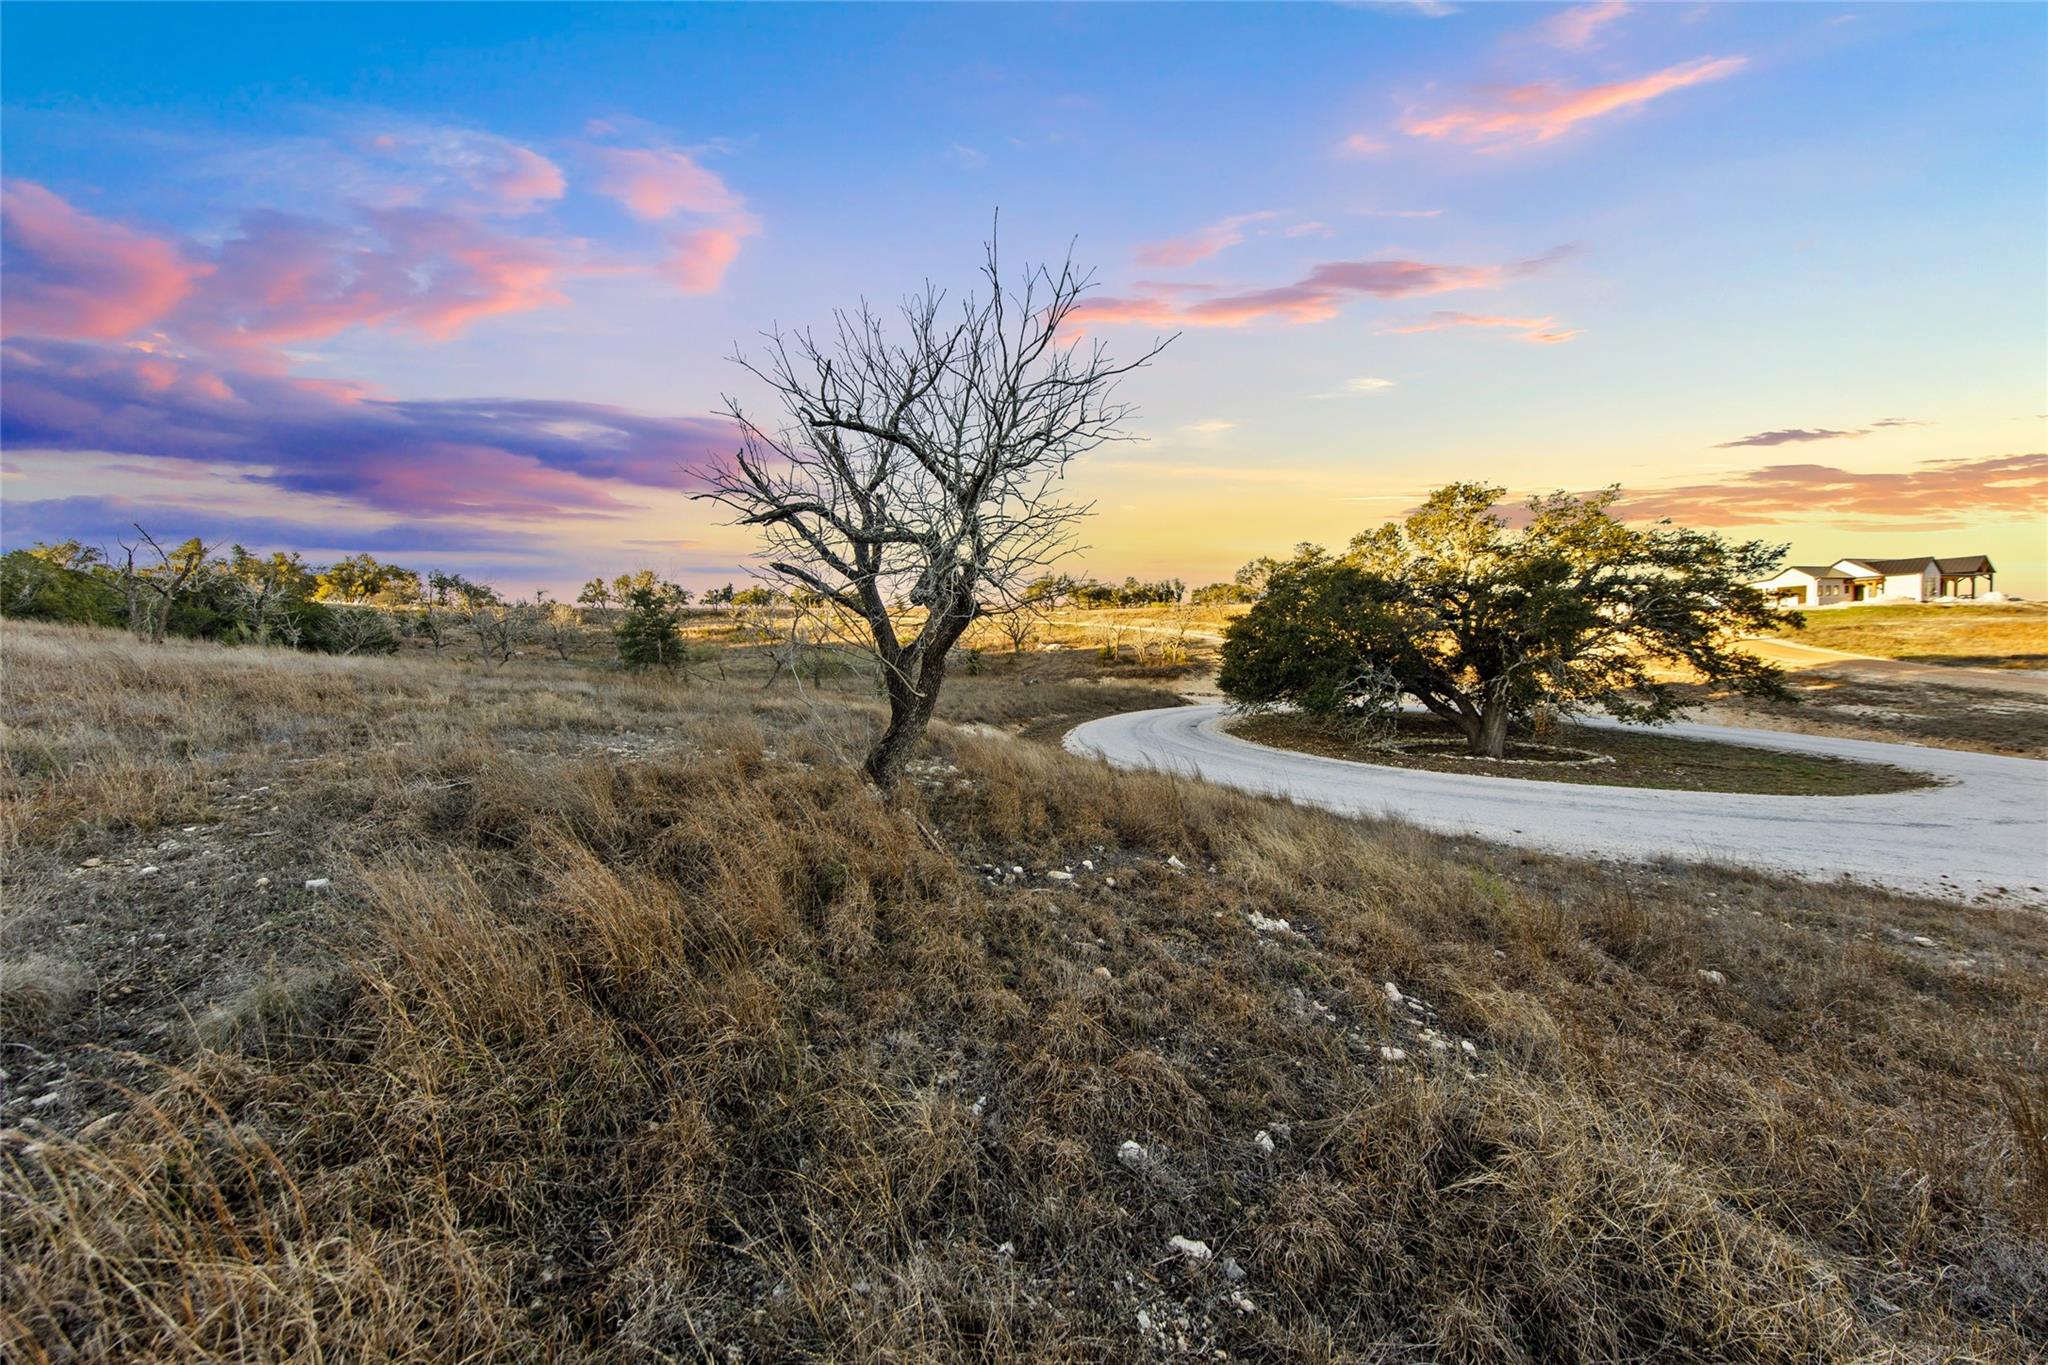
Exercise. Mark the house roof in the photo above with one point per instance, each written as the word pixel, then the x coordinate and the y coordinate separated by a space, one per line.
pixel 1959 564
pixel 1913 564
pixel 1952 566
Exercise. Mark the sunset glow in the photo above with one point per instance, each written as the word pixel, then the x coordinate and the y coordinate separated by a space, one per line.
pixel 457 285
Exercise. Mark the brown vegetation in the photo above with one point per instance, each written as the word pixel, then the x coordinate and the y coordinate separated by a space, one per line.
pixel 1591 755
pixel 657 1035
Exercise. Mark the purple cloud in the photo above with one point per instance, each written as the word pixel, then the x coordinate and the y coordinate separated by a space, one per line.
pixel 107 520
pixel 1796 435
pixel 524 459
pixel 1789 436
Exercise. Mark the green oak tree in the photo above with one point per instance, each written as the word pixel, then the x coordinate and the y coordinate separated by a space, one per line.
pixel 1482 622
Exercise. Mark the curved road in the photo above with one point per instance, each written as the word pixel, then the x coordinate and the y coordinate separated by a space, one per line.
pixel 1983 834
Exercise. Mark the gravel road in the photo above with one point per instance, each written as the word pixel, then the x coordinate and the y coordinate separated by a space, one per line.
pixel 1982 835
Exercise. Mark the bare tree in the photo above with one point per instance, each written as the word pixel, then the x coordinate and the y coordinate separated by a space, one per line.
pixel 498 629
pixel 925 467
pixel 1113 630
pixel 1030 609
pixel 558 625
pixel 434 624
pixel 150 591
pixel 1019 625
pixel 360 630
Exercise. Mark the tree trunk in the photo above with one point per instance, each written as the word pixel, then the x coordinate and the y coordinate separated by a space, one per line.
pixel 1490 739
pixel 912 697
pixel 913 678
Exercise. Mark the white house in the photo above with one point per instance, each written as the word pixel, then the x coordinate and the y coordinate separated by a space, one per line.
pixel 1922 578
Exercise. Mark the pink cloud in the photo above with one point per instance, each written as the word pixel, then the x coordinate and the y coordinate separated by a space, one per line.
pixel 1176 253
pixel 512 458
pixel 654 183
pixel 526 179
pixel 702 257
pixel 69 274
pixel 1939 493
pixel 286 278
pixel 1578 28
pixel 1361 144
pixel 1538 113
pixel 1542 331
pixel 1317 297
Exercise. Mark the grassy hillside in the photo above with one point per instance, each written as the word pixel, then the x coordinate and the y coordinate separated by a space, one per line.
pixel 401 1009
pixel 1995 635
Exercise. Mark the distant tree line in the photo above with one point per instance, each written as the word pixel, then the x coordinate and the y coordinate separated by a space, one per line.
pixel 1247 586
pixel 1089 594
pixel 356 605
pixel 198 591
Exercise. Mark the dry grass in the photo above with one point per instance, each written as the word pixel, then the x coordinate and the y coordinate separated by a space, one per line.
pixel 38 991
pixel 662 1038
pixel 1994 635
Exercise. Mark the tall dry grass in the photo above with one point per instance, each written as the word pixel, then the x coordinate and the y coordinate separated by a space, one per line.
pixel 705 1051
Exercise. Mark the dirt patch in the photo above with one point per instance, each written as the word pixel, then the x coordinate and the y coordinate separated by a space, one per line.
pixel 1902 713
pixel 1591 756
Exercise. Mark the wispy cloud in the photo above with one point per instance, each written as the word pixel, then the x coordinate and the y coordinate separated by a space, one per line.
pixel 1786 436
pixel 1577 29
pixel 285 278
pixel 1363 386
pixel 479 169
pixel 1526 114
pixel 1176 253
pixel 1543 331
pixel 657 183
pixel 1790 436
pixel 1316 297
pixel 662 184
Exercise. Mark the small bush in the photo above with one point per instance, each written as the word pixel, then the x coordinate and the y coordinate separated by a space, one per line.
pixel 294 1005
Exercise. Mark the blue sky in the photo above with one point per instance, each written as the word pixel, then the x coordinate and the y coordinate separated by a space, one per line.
pixel 1776 269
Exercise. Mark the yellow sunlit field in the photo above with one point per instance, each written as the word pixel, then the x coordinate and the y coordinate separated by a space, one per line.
pixel 2000 635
